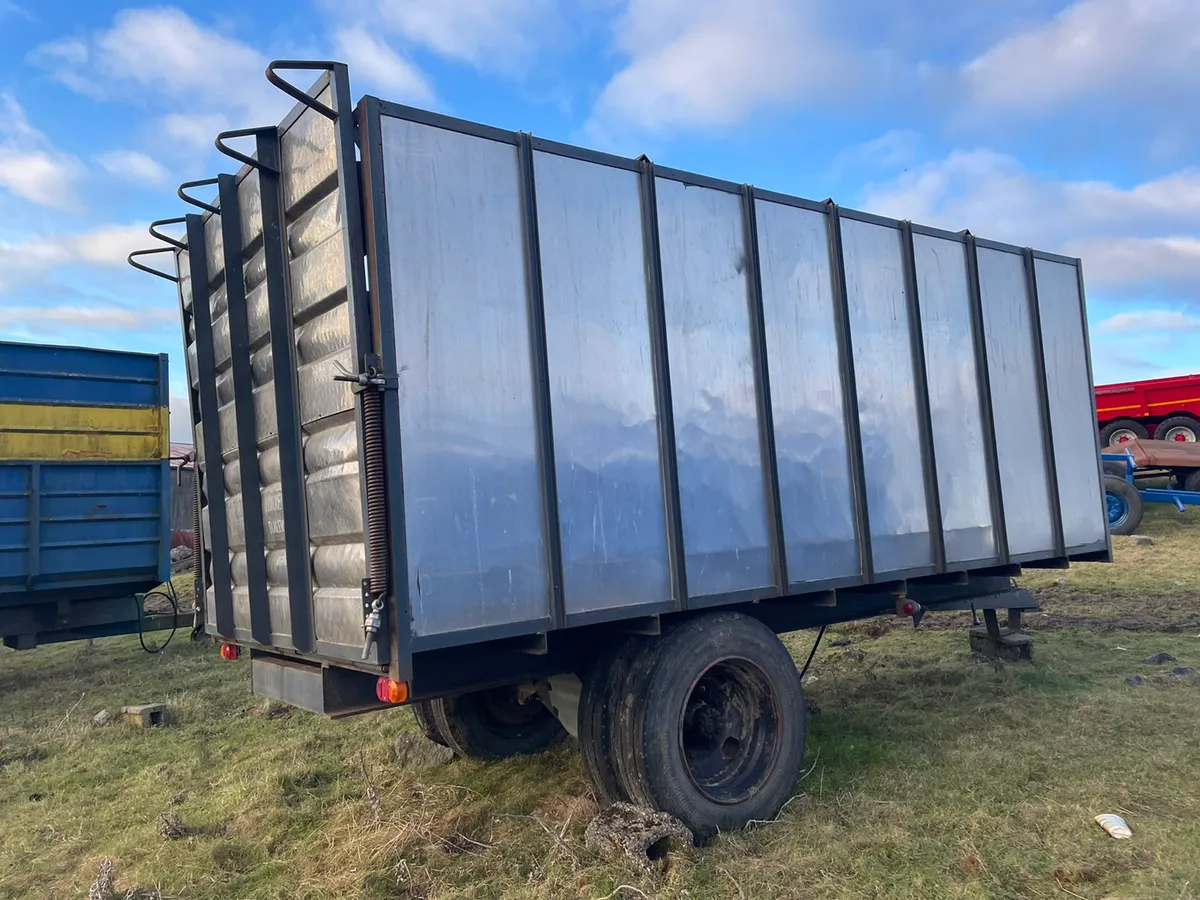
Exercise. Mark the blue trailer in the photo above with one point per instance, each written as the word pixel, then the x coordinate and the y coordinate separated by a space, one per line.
pixel 1124 498
pixel 85 491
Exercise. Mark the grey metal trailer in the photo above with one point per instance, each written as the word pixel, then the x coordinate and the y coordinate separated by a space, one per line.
pixel 534 438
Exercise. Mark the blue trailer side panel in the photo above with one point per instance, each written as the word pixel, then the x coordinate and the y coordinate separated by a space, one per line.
pixel 85 484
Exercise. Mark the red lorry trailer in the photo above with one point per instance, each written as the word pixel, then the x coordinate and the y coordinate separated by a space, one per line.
pixel 1165 409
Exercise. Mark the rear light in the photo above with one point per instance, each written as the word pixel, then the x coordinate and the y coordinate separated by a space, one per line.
pixel 908 608
pixel 389 691
pixel 230 651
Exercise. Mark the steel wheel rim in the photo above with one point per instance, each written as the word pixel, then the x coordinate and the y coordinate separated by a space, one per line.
pixel 1118 509
pixel 1121 436
pixel 1181 433
pixel 729 730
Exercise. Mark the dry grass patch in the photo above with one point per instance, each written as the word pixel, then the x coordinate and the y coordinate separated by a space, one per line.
pixel 929 774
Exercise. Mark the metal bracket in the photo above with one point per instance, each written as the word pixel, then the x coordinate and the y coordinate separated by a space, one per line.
pixel 298 65
pixel 253 163
pixel 166 238
pixel 208 207
pixel 371 379
pixel 152 271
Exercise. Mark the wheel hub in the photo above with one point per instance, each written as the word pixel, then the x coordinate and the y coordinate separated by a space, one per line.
pixel 1118 509
pixel 1181 435
pixel 730 731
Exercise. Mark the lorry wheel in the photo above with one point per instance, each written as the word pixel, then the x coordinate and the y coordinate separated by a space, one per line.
pixel 495 724
pixel 596 705
pixel 1124 505
pixel 717 735
pixel 1121 431
pixel 422 711
pixel 1184 429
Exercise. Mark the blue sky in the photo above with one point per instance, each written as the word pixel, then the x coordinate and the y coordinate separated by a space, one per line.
pixel 1072 127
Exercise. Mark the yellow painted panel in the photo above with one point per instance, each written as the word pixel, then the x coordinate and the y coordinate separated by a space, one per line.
pixel 43 431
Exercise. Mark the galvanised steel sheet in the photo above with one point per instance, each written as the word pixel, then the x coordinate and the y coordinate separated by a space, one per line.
pixel 806 393
pixel 953 376
pixel 1014 387
pixel 607 456
pixel 1072 409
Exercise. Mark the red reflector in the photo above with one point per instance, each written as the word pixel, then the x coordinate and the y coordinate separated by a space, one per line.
pixel 230 651
pixel 909 608
pixel 389 691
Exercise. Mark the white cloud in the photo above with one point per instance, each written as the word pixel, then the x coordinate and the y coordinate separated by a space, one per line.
pixel 165 54
pixel 30 167
pixel 1135 48
pixel 1144 236
pixel 196 131
pixel 133 166
pixel 896 148
pixel 710 63
pixel 1148 320
pixel 106 245
pixel 8 8
pixel 489 34
pixel 370 57
pixel 93 316
pixel 1163 263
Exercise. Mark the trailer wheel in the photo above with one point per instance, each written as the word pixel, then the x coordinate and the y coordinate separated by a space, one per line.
pixel 717 736
pixel 1124 505
pixel 1184 429
pixel 627 703
pixel 495 724
pixel 597 703
pixel 1122 431
pixel 422 711
pixel 1112 467
pixel 1192 482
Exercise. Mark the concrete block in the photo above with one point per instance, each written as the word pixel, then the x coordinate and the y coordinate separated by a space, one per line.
pixel 147 715
pixel 1012 646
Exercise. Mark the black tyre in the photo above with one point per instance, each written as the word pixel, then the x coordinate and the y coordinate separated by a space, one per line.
pixel 422 711
pixel 627 704
pixel 495 724
pixel 1192 482
pixel 1120 431
pixel 596 705
pixel 1184 429
pixel 1124 505
pixel 717 737
pixel 1112 467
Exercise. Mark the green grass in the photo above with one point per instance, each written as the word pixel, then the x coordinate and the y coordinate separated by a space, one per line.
pixel 929 774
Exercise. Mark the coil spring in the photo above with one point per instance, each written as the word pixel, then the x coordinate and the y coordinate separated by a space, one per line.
pixel 197 544
pixel 376 501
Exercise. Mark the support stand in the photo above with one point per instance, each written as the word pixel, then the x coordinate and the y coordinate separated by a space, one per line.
pixel 994 642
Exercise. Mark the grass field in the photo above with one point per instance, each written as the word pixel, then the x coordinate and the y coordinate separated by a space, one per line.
pixel 929 773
